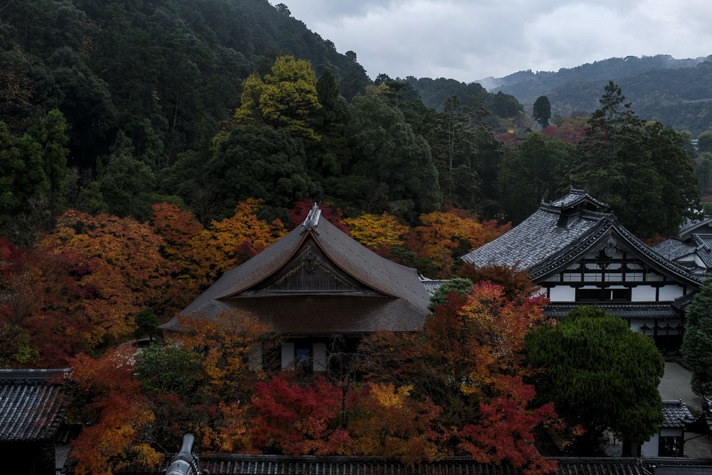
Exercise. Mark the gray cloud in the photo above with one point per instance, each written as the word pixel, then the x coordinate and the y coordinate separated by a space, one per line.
pixel 469 40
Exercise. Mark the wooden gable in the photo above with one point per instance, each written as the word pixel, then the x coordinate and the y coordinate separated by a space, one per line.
pixel 309 272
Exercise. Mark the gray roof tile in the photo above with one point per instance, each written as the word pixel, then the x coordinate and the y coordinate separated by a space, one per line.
pixel 31 406
pixel 277 465
pixel 676 414
pixel 626 311
pixel 561 232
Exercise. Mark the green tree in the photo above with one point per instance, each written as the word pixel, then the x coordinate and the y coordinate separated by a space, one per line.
pixel 22 174
pixel 697 342
pixel 260 162
pixel 457 284
pixel 532 173
pixel 126 184
pixel 640 169
pixel 599 374
pixel 168 369
pixel 286 98
pixel 146 324
pixel 391 167
pixel 542 111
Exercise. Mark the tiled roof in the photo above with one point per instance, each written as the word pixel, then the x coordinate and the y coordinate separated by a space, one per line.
pixel 532 241
pixel 676 414
pixel 402 297
pixel 561 232
pixel 690 226
pixel 626 311
pixel 431 285
pixel 31 408
pixel 704 248
pixel 310 465
pixel 674 249
pixel 576 197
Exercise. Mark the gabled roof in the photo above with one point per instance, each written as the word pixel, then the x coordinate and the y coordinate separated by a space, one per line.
pixel 391 295
pixel 690 227
pixel 31 406
pixel 561 232
pixel 676 414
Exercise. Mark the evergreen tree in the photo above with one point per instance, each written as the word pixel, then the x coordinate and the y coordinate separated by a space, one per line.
pixel 640 169
pixel 600 374
pixel 542 111
pixel 697 342
pixel 146 324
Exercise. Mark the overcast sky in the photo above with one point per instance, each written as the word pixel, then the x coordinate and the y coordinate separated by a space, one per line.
pixel 473 39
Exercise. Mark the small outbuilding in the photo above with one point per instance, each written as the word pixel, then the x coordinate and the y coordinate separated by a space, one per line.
pixel 670 441
pixel 32 406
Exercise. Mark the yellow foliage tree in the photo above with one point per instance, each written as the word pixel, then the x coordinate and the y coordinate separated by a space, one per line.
pixel 228 243
pixel 286 98
pixel 376 231
pixel 443 233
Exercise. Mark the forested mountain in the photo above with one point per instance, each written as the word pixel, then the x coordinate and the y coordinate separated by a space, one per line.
pixel 677 93
pixel 113 106
pixel 435 92
pixel 165 73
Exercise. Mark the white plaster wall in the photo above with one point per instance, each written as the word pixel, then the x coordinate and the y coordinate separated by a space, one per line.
pixel 650 448
pixel 642 293
pixel 670 292
pixel 562 293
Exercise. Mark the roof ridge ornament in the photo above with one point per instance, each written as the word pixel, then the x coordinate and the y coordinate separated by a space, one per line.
pixel 312 220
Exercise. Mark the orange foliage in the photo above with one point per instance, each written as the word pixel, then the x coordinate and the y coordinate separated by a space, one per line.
pixel 230 242
pixel 109 397
pixel 469 361
pixel 376 231
pixel 446 235
pixel 177 227
pixel 388 422
pixel 226 343
pixel 515 283
pixel 128 271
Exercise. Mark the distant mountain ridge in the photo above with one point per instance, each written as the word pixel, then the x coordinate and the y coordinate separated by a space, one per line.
pixel 675 92
pixel 525 85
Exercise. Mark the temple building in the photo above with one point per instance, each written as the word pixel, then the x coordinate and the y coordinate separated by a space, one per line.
pixel 579 254
pixel 317 287
pixel 692 248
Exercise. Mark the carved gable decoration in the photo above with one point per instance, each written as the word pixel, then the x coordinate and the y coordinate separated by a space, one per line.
pixel 309 271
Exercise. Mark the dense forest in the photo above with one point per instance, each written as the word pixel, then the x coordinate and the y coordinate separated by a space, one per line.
pixel 676 92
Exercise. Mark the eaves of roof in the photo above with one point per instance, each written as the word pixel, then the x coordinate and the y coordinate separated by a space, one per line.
pixel 596 235
pixel 31 405
pixel 321 465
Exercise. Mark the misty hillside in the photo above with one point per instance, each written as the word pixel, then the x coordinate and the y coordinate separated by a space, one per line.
pixel 677 93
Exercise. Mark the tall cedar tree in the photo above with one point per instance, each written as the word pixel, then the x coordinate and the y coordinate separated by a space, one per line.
pixel 641 170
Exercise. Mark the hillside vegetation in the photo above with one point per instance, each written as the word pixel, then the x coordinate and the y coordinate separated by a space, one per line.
pixel 677 93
